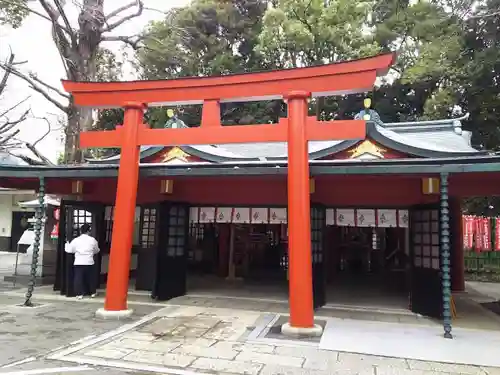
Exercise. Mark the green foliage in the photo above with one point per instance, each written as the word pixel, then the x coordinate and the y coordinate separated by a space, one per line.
pixel 13 12
pixel 308 32
pixel 208 38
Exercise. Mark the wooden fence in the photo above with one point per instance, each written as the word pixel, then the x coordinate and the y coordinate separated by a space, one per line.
pixel 483 266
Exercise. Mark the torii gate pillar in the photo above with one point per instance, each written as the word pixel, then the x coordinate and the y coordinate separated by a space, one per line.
pixel 115 304
pixel 299 224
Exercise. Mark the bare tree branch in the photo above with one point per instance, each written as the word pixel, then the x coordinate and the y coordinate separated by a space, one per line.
pixel 485 15
pixel 62 93
pixel 9 63
pixel 35 85
pixel 37 153
pixel 133 40
pixel 116 12
pixel 8 125
pixel 4 113
pixel 114 25
pixel 70 31
pixel 59 37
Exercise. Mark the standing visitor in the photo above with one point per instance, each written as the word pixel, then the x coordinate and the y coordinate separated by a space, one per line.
pixel 84 247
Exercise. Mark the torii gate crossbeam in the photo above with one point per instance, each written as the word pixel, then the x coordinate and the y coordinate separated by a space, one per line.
pixel 294 85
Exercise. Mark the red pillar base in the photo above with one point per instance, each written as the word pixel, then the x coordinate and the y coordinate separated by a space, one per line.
pixel 113 315
pixel 315 331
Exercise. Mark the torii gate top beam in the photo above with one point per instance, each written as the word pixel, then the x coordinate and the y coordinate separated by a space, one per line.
pixel 332 79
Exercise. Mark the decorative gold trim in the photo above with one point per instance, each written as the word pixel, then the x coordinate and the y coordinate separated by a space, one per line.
pixel 367 147
pixel 175 153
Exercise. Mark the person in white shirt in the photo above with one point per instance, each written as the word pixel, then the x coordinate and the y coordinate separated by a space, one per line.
pixel 84 247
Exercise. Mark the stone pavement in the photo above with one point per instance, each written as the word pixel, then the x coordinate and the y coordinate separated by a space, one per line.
pixel 34 333
pixel 63 336
pixel 192 340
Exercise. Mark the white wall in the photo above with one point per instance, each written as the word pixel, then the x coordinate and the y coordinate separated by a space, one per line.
pixel 9 204
pixel 5 215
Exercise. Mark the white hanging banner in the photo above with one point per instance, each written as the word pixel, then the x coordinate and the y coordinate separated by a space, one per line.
pixel 403 218
pixel 387 218
pixel 277 216
pixel 224 214
pixel 207 214
pixel 241 215
pixel 194 214
pixel 345 217
pixel 260 215
pixel 365 218
pixel 330 216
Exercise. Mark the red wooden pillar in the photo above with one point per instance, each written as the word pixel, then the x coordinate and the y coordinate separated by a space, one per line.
pixel 123 227
pixel 299 223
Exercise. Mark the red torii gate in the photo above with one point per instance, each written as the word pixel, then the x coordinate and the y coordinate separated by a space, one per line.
pixel 294 85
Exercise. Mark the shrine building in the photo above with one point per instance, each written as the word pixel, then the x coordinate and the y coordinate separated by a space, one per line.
pixel 385 219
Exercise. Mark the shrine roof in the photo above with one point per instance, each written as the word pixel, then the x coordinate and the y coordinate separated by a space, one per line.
pixel 427 139
pixel 463 164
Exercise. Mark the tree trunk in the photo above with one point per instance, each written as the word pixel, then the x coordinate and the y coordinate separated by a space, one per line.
pixel 83 68
pixel 79 118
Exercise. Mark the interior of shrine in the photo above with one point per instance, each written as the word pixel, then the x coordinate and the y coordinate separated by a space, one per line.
pixel 364 266
pixel 367 266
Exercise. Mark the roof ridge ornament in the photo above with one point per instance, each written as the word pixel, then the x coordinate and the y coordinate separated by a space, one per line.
pixel 368 114
pixel 173 121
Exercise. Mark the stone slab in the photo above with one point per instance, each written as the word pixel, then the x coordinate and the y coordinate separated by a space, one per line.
pixel 270 359
pixel 173 360
pixel 111 353
pixel 222 365
pixel 468 347
pixel 210 352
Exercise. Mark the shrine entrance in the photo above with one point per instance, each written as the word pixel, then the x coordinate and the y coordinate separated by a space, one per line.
pixel 239 260
pixel 238 250
pixel 367 253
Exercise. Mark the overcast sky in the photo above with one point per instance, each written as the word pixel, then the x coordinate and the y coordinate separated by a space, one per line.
pixel 32 42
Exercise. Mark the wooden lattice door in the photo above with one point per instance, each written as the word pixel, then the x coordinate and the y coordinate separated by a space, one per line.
pixel 426 293
pixel 171 265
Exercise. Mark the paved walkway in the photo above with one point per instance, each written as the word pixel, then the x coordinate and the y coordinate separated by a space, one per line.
pixel 63 336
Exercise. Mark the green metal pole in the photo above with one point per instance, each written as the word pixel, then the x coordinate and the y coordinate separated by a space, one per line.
pixel 445 255
pixel 39 213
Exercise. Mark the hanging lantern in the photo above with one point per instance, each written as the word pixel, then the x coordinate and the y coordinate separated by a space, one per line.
pixel 430 185
pixel 76 187
pixel 312 185
pixel 167 186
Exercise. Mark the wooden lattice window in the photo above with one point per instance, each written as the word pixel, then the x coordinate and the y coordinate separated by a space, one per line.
pixel 426 241
pixel 148 232
pixel 196 231
pixel 80 217
pixel 109 220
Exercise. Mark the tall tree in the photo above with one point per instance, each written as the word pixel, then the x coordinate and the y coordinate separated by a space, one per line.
pixel 78 44
pixel 206 38
pixel 309 32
